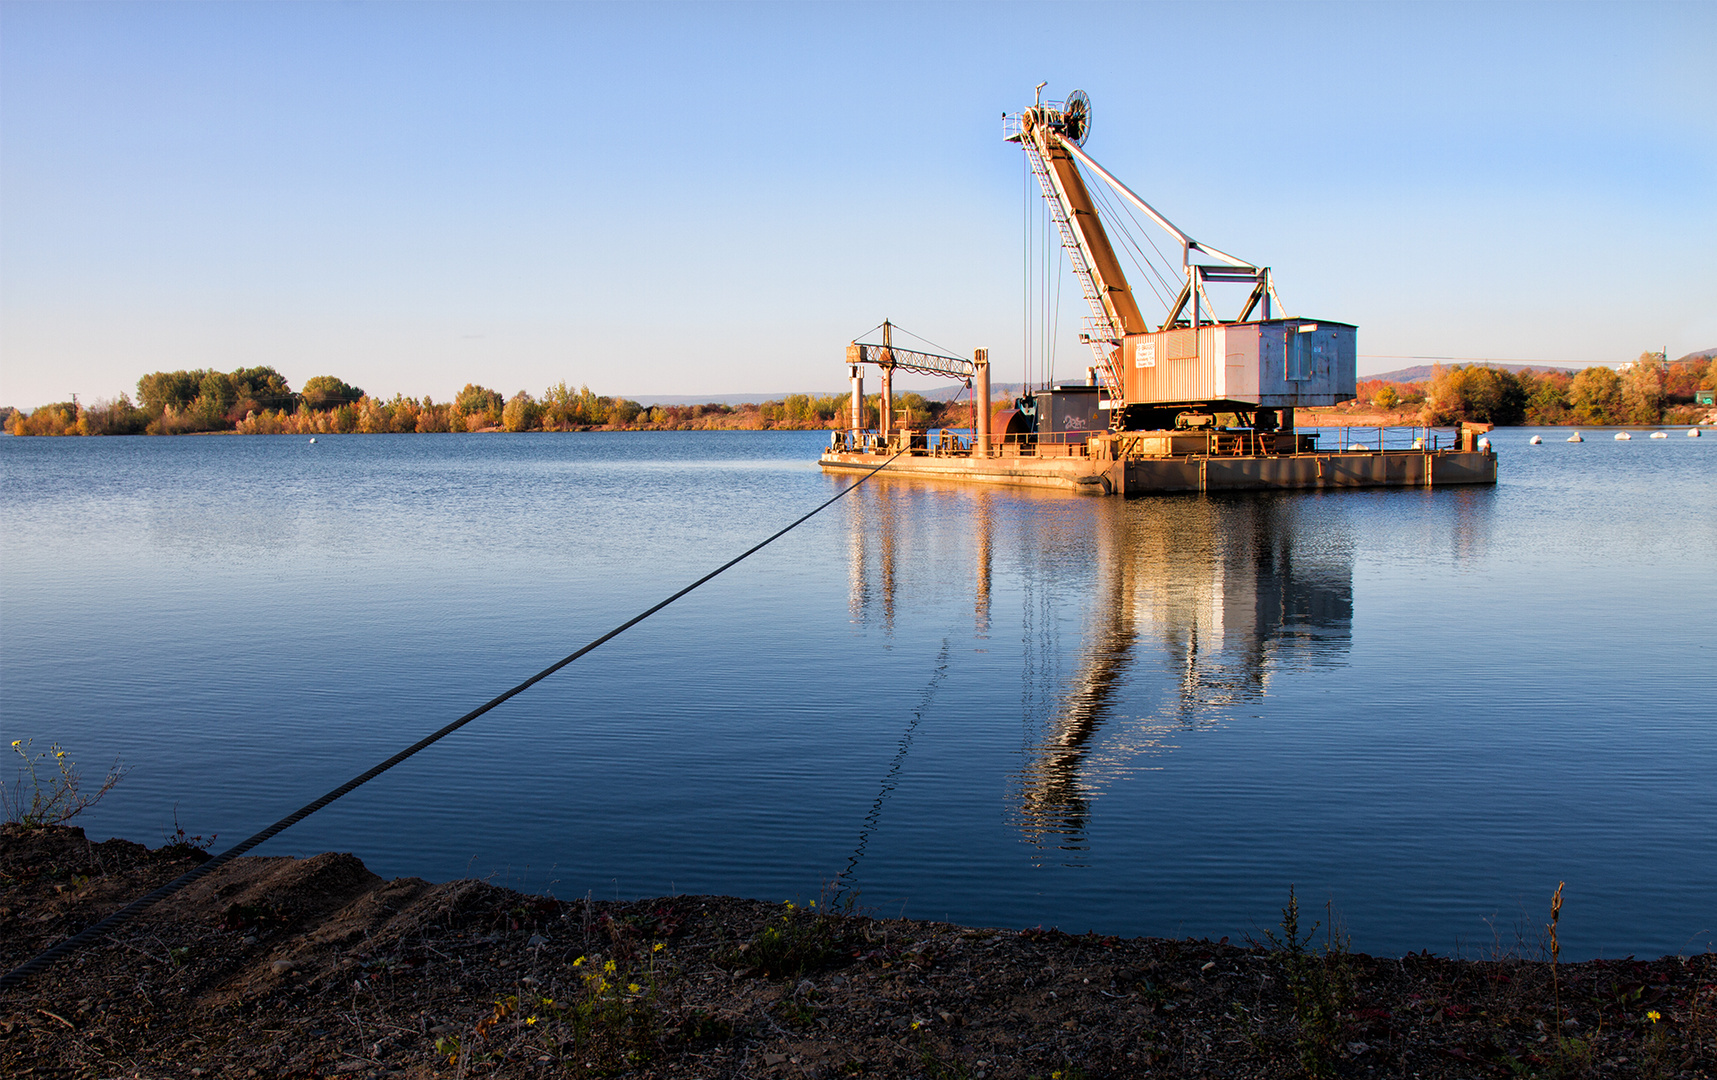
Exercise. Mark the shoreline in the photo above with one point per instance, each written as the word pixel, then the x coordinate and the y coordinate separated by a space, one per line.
pixel 1310 420
pixel 275 966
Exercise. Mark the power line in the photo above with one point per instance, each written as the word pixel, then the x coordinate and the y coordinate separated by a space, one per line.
pixel 1486 360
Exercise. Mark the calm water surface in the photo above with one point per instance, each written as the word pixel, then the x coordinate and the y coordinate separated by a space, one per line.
pixel 992 706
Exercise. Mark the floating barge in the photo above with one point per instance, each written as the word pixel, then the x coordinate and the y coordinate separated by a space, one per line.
pixel 1192 403
pixel 1144 463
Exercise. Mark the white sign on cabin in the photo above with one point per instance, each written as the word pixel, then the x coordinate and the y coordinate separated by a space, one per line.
pixel 1145 354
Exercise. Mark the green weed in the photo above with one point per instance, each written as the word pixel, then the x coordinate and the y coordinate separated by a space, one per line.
pixel 1321 984
pixel 42 796
pixel 799 940
pixel 612 1015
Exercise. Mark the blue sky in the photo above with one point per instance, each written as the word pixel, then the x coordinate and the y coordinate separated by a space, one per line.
pixel 690 199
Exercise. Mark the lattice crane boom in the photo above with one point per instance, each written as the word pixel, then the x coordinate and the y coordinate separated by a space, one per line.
pixel 1052 135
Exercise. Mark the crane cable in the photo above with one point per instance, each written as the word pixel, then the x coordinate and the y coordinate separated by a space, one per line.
pixel 137 907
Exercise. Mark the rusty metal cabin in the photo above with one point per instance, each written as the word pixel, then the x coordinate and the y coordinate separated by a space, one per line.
pixel 1234 367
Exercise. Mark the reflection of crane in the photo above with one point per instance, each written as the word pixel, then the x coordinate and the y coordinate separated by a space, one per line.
pixel 1230 602
pixel 1053 793
pixel 1236 366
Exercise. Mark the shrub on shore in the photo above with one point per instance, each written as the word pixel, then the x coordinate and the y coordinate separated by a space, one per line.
pixel 49 790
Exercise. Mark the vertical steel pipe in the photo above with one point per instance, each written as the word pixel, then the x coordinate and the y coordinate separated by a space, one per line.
pixel 885 406
pixel 858 404
pixel 981 403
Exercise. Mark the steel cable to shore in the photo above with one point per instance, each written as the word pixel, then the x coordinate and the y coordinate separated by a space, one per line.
pixel 137 907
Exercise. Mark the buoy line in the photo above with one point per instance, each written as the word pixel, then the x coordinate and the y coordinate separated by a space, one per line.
pixel 137 907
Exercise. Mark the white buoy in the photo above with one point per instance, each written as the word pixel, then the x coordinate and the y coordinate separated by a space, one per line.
pixel 1484 444
pixel 1660 435
pixel 312 438
pixel 1693 433
pixel 1357 446
pixel 1536 440
pixel 1575 437
pixel 1622 436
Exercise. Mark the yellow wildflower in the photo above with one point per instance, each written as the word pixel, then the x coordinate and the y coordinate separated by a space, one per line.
pixel 657 947
pixel 579 962
pixel 608 966
pixel 917 1024
pixel 1654 1016
pixel 632 988
pixel 530 1021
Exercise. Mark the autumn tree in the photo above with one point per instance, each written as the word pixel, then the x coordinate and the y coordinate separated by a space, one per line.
pixel 118 417
pixel 328 392
pixel 1642 390
pixel 1481 394
pixel 58 418
pixel 161 390
pixel 480 406
pixel 520 413
pixel 260 388
pixel 1595 396
pixel 1546 396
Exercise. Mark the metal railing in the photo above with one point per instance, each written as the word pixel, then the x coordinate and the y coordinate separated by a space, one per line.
pixel 936 442
pixel 953 442
pixel 1379 439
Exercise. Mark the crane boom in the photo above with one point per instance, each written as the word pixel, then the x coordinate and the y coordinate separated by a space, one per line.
pixel 1114 311
pixel 1257 359
pixel 892 356
pixel 1108 280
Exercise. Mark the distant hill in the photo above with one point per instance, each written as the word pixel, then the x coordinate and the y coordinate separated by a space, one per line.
pixel 722 399
pixel 944 393
pixel 1424 371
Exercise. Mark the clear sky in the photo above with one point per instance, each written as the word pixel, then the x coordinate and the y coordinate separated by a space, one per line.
pixel 711 198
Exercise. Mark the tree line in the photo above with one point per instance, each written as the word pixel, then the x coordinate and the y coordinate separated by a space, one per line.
pixel 1649 391
pixel 260 401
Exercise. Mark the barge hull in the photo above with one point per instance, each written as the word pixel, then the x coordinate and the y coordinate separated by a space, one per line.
pixel 1150 476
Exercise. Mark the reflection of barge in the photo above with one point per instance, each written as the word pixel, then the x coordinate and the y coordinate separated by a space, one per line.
pixel 1193 403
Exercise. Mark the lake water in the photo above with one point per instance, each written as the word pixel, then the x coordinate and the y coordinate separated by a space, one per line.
pixel 992 706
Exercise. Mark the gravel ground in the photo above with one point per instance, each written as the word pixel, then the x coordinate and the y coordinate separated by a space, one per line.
pixel 316 967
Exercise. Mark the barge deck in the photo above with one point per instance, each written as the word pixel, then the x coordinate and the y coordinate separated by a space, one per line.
pixel 1125 464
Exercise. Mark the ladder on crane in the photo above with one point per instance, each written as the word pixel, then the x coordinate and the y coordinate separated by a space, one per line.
pixel 1101 331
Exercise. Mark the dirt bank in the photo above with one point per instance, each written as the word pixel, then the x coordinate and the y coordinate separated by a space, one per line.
pixel 316 967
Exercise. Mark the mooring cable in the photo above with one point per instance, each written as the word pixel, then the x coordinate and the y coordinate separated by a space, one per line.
pixel 144 903
pixel 845 880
